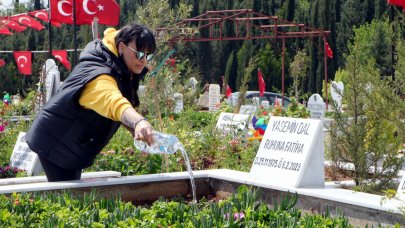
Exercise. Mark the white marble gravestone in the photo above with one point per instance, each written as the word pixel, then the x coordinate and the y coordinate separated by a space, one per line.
pixel 247 109
pixel 214 97
pixel 291 153
pixel 52 80
pixel 23 158
pixel 178 105
pixel 266 104
pixel 336 91
pixel 229 122
pixel 401 189
pixel 316 107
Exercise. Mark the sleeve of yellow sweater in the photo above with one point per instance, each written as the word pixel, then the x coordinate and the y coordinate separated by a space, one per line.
pixel 103 96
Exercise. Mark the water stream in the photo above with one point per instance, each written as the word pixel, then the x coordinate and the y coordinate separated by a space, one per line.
pixel 180 147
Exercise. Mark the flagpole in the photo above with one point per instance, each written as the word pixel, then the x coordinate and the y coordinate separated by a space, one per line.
pixel 50 30
pixel 74 34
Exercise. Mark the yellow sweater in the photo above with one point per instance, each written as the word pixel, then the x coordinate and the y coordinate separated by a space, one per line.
pixel 102 94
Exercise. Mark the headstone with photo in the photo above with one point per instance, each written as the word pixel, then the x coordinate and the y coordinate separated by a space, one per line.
pixel 316 107
pixel 52 80
pixel 291 153
pixel 230 122
pixel 23 158
pixel 178 102
pixel 214 98
pixel 401 189
pixel 336 91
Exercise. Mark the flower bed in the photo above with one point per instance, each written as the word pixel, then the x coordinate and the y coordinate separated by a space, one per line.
pixel 240 210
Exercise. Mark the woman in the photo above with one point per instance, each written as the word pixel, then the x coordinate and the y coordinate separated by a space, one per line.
pixel 98 95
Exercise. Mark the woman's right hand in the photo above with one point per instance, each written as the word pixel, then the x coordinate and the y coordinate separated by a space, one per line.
pixel 143 131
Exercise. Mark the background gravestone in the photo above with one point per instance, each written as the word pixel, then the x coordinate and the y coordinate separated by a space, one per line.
pixel 214 99
pixel 52 80
pixel 316 107
pixel 230 122
pixel 247 109
pixel 401 189
pixel 23 158
pixel 265 104
pixel 336 91
pixel 178 105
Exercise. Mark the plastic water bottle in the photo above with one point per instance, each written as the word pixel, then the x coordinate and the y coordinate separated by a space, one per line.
pixel 164 144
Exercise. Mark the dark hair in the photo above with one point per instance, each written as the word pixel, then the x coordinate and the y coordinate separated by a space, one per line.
pixel 144 40
pixel 143 37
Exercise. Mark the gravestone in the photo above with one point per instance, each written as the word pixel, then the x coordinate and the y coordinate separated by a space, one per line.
pixel 52 80
pixel 401 189
pixel 230 122
pixel 336 91
pixel 316 107
pixel 178 105
pixel 256 101
pixel 141 90
pixel 291 153
pixel 247 109
pixel 214 97
pixel 23 158
pixel 266 104
pixel 192 84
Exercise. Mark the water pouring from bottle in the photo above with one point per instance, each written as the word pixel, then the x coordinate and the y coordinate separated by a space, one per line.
pixel 168 144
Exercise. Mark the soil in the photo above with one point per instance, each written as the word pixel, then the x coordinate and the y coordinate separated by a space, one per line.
pixel 334 174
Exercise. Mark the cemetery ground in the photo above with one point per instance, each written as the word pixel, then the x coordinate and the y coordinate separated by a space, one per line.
pixel 208 148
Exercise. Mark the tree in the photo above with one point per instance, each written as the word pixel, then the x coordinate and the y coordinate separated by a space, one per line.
pixel 298 70
pixel 367 133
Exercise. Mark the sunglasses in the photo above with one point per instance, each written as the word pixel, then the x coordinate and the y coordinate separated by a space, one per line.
pixel 141 54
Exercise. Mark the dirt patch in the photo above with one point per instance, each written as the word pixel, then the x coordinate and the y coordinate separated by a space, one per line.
pixel 335 174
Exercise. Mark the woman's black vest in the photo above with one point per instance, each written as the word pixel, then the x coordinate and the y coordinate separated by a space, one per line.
pixel 64 132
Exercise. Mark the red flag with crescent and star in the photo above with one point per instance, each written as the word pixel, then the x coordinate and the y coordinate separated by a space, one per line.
pixel 4 30
pixel 62 11
pixel 61 55
pixel 43 15
pixel 23 60
pixel 13 25
pixel 107 12
pixel 27 21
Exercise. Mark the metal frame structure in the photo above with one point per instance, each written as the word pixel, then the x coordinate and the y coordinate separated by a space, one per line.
pixel 247 25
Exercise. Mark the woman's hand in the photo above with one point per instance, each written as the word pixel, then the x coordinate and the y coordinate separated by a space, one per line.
pixel 143 131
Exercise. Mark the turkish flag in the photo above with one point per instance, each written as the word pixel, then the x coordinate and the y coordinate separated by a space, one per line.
pixel 61 55
pixel 2 62
pixel 62 11
pixel 228 91
pixel 43 15
pixel 262 84
pixel 397 2
pixel 107 12
pixel 27 21
pixel 23 60
pixel 13 25
pixel 328 50
pixel 4 30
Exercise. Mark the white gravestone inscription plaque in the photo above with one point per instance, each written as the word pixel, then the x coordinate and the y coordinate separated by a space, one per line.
pixel 291 153
pixel 23 158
